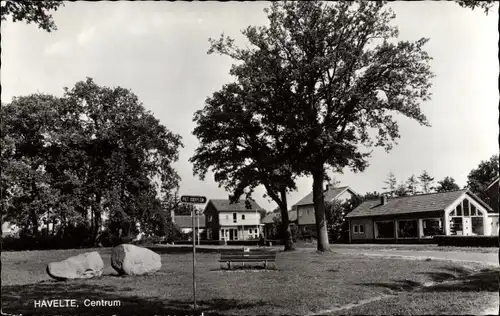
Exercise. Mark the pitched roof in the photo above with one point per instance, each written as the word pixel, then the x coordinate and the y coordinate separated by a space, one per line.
pixel 224 205
pixel 269 218
pixel 411 204
pixel 185 221
pixel 329 196
pixel 492 183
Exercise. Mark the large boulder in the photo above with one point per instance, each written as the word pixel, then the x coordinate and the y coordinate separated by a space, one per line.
pixel 133 260
pixel 84 266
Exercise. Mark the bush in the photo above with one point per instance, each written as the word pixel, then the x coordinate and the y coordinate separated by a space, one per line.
pixel 467 241
pixel 254 242
pixel 274 242
pixel 202 242
pixel 307 233
pixel 108 239
pixel 71 238
pixel 149 241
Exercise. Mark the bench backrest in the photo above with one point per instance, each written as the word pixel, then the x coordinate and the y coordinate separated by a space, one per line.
pixel 250 255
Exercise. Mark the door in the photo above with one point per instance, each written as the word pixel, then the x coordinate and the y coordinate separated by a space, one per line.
pixel 231 236
pixel 467 226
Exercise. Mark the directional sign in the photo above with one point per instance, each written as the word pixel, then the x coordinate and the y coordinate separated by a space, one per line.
pixel 193 199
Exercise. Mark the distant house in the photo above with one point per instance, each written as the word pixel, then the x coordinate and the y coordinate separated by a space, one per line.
pixel 421 216
pixel 185 223
pixel 268 222
pixel 226 221
pixel 305 207
pixel 492 193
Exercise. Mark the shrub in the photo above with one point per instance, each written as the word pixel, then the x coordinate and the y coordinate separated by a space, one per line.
pixel 149 241
pixel 254 242
pixel 109 239
pixel 274 242
pixel 467 241
pixel 202 242
pixel 71 237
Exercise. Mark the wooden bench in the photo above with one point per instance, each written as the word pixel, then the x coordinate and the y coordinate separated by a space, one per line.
pixel 251 256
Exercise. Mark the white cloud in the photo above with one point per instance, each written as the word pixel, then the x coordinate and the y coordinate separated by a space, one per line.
pixel 86 36
pixel 60 48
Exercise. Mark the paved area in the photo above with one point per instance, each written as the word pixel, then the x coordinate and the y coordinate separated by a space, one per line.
pixel 484 258
pixel 490 259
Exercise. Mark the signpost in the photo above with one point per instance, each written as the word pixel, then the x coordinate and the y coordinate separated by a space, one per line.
pixel 194 200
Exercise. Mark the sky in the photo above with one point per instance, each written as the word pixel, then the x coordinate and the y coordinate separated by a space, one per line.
pixel 158 50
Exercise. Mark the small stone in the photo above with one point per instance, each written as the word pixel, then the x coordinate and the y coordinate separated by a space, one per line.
pixel 134 260
pixel 84 266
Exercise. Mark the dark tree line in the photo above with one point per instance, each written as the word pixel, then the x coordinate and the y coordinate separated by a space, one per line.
pixel 91 154
pixel 478 180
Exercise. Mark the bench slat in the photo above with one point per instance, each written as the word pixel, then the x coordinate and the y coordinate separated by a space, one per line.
pixel 248 254
pixel 247 259
pixel 262 256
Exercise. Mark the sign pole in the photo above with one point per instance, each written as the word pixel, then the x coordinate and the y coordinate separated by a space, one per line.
pixel 194 200
pixel 194 261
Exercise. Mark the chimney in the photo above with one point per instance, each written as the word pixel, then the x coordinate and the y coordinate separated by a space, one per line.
pixel 383 200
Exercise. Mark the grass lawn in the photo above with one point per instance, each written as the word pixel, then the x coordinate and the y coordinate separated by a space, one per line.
pixel 302 283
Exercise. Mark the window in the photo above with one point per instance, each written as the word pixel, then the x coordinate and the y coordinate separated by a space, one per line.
pixel 459 210
pixel 456 226
pixel 384 229
pixel 407 229
pixel 234 218
pixel 432 227
pixel 209 218
pixel 242 216
pixel 466 207
pixel 477 225
pixel 452 213
pixel 249 230
pixel 355 229
pixel 473 210
pixel 361 228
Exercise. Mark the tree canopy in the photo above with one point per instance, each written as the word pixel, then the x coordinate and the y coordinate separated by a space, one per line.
pixel 328 76
pixel 486 5
pixel 446 185
pixel 31 12
pixel 94 151
pixel 482 176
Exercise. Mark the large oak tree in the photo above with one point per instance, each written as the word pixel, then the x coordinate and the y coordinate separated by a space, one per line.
pixel 331 75
pixel 95 150
pixel 36 12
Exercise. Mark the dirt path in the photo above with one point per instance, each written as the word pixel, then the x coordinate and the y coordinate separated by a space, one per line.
pixel 490 259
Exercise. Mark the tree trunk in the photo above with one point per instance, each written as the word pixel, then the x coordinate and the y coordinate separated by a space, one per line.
pixel 319 210
pixel 286 232
pixel 97 216
pixel 34 223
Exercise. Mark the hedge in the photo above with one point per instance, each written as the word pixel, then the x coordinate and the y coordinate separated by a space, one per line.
pixel 202 242
pixel 252 242
pixel 467 241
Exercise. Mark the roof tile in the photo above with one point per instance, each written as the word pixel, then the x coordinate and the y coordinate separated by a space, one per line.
pixel 411 204
pixel 329 196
